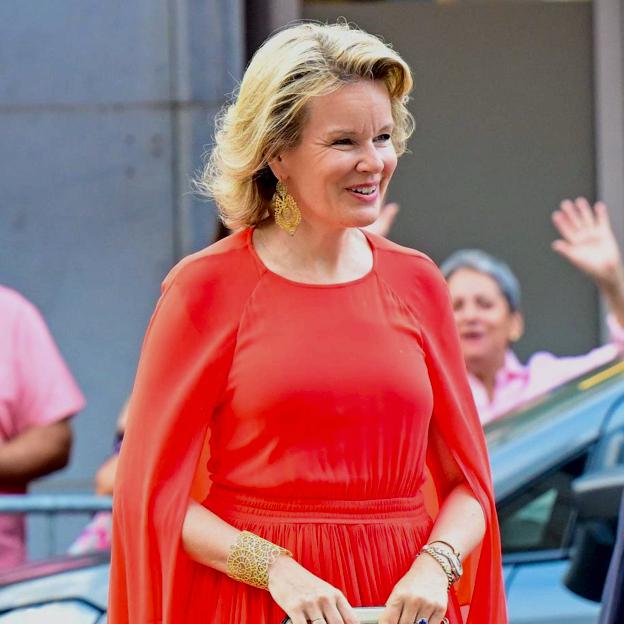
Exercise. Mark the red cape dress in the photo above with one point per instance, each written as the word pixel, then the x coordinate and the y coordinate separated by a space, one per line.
pixel 300 412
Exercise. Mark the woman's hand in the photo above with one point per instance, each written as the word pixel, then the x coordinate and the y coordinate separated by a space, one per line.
pixel 589 244
pixel 305 597
pixel 421 594
pixel 587 240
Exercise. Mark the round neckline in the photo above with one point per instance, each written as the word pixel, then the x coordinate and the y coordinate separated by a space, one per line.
pixel 287 280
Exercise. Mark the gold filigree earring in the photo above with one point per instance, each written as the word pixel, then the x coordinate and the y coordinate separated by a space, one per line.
pixel 285 209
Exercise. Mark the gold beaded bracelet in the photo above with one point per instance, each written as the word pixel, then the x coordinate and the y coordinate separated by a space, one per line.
pixel 442 562
pixel 451 557
pixel 250 558
pixel 448 545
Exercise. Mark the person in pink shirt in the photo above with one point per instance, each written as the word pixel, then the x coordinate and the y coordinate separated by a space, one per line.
pixel 38 395
pixel 486 301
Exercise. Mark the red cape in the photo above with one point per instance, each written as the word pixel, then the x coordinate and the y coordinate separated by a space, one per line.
pixel 184 365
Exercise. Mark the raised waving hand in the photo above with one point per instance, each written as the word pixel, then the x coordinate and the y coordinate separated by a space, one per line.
pixel 587 240
pixel 588 243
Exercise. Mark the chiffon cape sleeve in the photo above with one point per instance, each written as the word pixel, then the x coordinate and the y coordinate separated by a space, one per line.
pixel 419 283
pixel 456 422
pixel 182 371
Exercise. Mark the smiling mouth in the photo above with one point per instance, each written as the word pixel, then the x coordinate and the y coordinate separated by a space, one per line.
pixel 471 335
pixel 363 190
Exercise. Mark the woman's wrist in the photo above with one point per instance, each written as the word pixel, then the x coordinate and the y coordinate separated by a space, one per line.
pixel 429 567
pixel 613 292
pixel 251 558
pixel 282 565
pixel 450 553
pixel 611 281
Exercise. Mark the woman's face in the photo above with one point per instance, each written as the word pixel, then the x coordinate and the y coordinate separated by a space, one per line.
pixel 339 171
pixel 484 320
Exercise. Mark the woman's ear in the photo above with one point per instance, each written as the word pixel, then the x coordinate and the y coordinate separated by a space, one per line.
pixel 278 168
pixel 517 326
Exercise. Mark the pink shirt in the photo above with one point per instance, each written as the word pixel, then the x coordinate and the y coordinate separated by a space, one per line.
pixel 36 388
pixel 516 383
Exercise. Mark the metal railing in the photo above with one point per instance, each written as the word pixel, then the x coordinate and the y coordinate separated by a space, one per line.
pixel 52 506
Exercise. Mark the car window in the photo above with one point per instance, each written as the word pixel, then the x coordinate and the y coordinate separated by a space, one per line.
pixel 541 517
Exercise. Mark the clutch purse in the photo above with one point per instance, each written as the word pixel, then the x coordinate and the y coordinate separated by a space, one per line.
pixel 366 615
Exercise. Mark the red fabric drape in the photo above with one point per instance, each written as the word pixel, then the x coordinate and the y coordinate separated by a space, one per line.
pixel 184 367
pixel 456 421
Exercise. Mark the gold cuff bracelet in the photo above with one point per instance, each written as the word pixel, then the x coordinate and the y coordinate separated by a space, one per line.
pixel 250 558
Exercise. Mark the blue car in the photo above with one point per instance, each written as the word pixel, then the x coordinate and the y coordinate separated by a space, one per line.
pixel 538 455
pixel 546 460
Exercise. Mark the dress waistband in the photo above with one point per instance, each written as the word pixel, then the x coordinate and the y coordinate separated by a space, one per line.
pixel 226 502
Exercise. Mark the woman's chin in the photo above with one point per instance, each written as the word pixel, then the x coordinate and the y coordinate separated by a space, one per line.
pixel 476 359
pixel 362 217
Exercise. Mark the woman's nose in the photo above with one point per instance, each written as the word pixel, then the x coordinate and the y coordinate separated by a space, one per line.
pixel 467 313
pixel 370 160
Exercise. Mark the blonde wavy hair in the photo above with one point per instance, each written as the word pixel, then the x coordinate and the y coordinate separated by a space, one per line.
pixel 268 114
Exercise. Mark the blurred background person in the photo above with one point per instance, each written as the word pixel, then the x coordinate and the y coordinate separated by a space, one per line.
pixel 38 395
pixel 486 302
pixel 105 476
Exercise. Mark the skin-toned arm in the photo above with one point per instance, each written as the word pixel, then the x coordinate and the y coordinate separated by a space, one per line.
pixel 588 243
pixel 36 452
pixel 422 592
pixel 105 476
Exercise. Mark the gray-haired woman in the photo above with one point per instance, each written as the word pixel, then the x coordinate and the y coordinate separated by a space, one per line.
pixel 487 306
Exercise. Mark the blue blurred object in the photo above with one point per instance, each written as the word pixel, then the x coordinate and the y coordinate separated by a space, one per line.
pixel 613 595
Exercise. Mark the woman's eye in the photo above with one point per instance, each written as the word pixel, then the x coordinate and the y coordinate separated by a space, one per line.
pixel 343 142
pixel 384 138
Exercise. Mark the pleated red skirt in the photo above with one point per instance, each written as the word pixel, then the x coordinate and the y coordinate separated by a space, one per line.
pixel 361 547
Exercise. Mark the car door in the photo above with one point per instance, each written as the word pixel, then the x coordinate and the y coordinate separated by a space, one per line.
pixel 537 525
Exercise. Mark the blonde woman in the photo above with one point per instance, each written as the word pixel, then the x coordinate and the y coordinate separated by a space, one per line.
pixel 307 371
